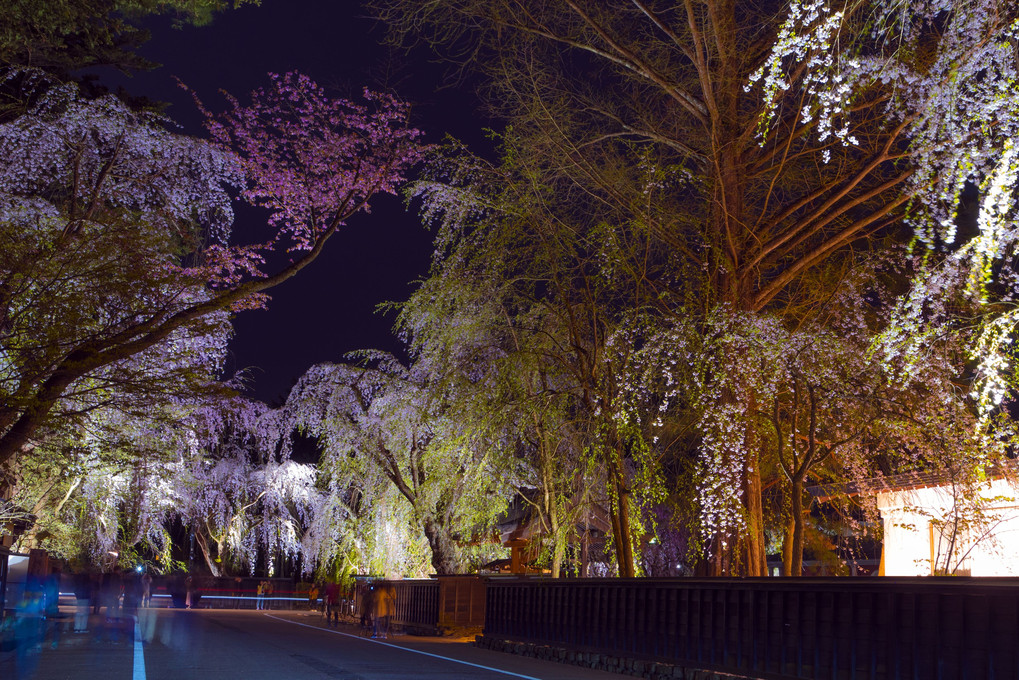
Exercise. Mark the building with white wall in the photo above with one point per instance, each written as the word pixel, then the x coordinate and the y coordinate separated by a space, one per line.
pixel 934 526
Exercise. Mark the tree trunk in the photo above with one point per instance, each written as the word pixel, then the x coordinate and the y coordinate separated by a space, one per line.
pixel 621 522
pixel 721 554
pixel 584 554
pixel 787 547
pixel 754 549
pixel 203 545
pixel 558 544
pixel 797 519
pixel 792 542
pixel 444 559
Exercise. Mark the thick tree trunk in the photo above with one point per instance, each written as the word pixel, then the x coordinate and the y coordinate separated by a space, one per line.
pixel 552 509
pixel 558 545
pixel 444 559
pixel 754 548
pixel 621 522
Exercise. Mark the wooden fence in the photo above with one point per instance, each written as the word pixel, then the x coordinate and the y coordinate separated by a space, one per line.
pixel 807 629
pixel 417 605
pixel 429 605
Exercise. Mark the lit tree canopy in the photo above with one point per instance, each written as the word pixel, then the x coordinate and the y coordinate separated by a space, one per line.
pixel 395 450
pixel 761 149
pixel 117 233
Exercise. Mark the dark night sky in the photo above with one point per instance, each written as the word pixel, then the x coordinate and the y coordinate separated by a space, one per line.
pixel 328 309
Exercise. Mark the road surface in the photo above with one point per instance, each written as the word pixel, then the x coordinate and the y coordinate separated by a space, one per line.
pixel 252 645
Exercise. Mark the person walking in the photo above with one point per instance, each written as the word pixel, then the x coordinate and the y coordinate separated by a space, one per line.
pixel 83 601
pixel 132 594
pixel 385 607
pixel 95 584
pixel 29 624
pixel 313 597
pixel 332 604
pixel 260 595
pixel 112 589
pixel 268 594
pixel 367 609
pixel 54 619
pixel 146 589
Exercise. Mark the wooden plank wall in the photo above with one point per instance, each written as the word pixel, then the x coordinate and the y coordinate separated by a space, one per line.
pixel 803 629
pixel 461 601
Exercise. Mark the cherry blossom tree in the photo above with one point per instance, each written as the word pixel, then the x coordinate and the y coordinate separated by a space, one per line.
pixel 117 233
pixel 239 491
pixel 393 451
pixel 783 142
pixel 103 488
pixel 534 295
pixel 218 467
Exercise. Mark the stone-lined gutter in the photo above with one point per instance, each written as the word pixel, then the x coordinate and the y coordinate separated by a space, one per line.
pixel 652 670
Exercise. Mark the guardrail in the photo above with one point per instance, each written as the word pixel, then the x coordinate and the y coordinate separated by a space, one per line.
pixel 808 628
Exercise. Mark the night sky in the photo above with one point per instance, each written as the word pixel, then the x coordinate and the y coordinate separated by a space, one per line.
pixel 329 308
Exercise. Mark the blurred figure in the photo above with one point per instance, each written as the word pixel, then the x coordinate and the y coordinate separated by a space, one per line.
pixel 367 609
pixel 313 597
pixel 132 594
pixel 260 595
pixel 189 589
pixel 177 590
pixel 51 597
pixel 177 630
pixel 146 589
pixel 332 603
pixel 111 595
pixel 83 601
pixel 194 591
pixel 29 626
pixel 146 615
pixel 385 606
pixel 95 582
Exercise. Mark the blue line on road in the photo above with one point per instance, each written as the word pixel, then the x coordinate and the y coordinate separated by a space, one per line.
pixel 139 653
pixel 406 649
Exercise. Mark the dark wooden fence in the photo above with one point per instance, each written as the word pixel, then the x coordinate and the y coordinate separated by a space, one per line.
pixel 430 605
pixel 810 628
pixel 417 605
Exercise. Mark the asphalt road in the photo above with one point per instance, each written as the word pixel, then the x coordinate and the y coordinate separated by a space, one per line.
pixel 250 645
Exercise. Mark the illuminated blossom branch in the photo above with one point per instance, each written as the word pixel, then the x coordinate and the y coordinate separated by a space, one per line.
pixel 394 450
pixel 219 468
pixel 950 73
pixel 76 173
pixel 313 160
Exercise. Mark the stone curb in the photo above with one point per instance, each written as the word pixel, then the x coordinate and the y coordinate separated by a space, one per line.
pixel 641 668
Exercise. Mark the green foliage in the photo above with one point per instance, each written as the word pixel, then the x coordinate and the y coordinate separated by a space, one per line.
pixel 64 36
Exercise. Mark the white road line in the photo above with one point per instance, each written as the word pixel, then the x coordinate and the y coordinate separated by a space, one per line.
pixel 139 653
pixel 406 649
